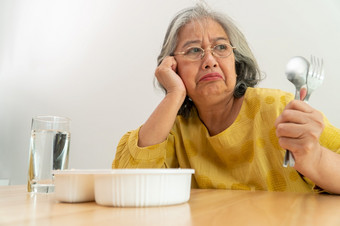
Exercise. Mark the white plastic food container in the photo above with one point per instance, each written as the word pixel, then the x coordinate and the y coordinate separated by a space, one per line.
pixel 142 187
pixel 74 185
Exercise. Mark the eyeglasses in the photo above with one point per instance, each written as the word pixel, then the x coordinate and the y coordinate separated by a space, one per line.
pixel 197 53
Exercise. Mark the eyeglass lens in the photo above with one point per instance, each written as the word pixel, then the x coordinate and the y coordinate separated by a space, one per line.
pixel 221 50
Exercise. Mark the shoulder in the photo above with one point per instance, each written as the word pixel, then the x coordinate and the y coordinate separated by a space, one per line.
pixel 268 102
pixel 268 95
pixel 267 91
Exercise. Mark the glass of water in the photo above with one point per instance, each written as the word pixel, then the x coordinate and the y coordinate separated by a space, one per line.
pixel 49 150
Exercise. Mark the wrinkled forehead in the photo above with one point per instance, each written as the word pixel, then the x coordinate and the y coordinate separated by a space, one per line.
pixel 196 29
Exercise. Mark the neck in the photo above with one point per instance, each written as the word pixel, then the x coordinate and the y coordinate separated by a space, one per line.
pixel 220 116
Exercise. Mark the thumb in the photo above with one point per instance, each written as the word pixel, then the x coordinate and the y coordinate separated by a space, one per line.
pixel 303 93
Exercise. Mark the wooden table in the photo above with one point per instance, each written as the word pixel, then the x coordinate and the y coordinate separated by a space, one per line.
pixel 205 207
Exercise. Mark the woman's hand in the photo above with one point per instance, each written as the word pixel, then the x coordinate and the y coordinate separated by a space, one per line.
pixel 167 76
pixel 299 128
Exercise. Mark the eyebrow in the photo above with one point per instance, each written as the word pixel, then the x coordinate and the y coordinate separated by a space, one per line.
pixel 191 42
pixel 220 38
pixel 199 41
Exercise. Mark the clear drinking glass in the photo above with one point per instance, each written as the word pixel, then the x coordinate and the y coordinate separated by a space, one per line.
pixel 49 150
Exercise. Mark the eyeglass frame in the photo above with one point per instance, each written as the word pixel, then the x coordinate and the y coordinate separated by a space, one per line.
pixel 204 51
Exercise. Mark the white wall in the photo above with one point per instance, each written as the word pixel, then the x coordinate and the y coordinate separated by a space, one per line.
pixel 94 61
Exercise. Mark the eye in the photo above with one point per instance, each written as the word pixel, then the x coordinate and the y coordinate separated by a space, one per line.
pixel 221 48
pixel 194 51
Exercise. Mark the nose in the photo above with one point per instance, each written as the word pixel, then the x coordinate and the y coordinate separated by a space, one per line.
pixel 209 61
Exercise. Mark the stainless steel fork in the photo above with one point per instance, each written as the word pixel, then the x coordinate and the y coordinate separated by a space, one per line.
pixel 315 78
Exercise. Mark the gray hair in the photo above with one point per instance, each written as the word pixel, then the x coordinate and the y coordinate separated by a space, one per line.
pixel 247 70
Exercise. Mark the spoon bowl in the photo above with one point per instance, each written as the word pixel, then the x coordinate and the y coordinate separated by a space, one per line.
pixel 296 72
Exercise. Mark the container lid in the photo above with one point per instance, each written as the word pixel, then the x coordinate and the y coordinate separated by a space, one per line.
pixel 125 171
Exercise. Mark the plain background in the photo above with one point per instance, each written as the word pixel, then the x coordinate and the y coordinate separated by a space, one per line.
pixel 94 60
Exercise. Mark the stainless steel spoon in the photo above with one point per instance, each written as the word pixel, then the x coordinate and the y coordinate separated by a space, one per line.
pixel 296 71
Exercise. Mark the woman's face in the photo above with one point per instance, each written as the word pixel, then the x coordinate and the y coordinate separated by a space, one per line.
pixel 210 76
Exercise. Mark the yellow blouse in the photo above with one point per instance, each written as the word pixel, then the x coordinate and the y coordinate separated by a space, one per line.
pixel 245 156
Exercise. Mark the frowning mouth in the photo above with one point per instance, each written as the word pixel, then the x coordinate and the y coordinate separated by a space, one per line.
pixel 211 77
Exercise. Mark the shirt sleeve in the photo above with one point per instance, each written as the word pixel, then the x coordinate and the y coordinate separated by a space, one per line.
pixel 130 155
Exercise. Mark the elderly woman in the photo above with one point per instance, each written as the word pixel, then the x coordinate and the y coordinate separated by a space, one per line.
pixel 213 120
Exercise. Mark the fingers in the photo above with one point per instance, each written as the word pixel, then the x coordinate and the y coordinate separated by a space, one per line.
pixel 298 112
pixel 302 140
pixel 167 68
pixel 293 116
pixel 291 130
pixel 298 129
pixel 168 62
pixel 299 105
pixel 167 76
pixel 298 147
